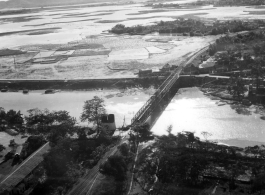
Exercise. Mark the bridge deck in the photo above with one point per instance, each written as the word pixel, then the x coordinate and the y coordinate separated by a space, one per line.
pixel 162 91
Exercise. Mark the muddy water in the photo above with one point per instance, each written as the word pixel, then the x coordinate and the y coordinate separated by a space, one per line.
pixel 190 110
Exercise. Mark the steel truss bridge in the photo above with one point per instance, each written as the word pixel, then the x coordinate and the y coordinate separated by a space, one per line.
pixel 164 89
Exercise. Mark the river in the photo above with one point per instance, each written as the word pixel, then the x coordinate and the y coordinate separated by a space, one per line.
pixel 124 104
pixel 190 110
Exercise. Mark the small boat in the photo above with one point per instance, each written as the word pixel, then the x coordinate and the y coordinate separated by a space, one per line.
pixel 25 91
pixel 4 90
pixel 221 104
pixel 50 91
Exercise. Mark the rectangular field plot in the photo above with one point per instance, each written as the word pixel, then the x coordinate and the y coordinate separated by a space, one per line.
pixel 44 54
pixel 155 50
pixel 89 52
pixel 61 53
pixel 129 54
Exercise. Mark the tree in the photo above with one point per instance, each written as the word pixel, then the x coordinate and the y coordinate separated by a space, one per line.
pixel 118 29
pixel 206 135
pixel 124 149
pixel 237 87
pixel 258 183
pixel 51 124
pixel 33 143
pixel 212 49
pixel 14 118
pixel 2 148
pixel 169 129
pixel 115 166
pixel 142 132
pixel 190 138
pixel 56 162
pixel 93 110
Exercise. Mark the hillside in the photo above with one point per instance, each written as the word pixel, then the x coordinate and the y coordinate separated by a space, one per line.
pixel 39 3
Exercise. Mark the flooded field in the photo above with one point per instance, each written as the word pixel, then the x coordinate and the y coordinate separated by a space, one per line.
pixel 42 32
pixel 78 23
pixel 192 111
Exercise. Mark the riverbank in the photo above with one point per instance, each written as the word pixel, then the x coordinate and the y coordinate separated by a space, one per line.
pixel 220 93
pixel 212 162
pixel 77 84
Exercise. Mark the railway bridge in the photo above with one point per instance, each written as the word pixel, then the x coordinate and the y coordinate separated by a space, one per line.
pixel 162 93
pixel 85 184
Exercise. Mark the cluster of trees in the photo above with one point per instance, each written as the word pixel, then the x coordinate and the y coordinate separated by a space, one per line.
pixel 240 3
pixel 10 118
pixel 71 150
pixel 181 161
pixel 189 26
pixel 54 125
pixel 33 143
pixel 238 42
pixel 241 52
pixel 116 167
pixel 234 26
pixel 177 26
pixel 237 87
pixel 164 5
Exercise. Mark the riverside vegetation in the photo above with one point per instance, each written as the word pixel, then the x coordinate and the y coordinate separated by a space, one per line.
pixel 190 27
pixel 71 153
pixel 181 163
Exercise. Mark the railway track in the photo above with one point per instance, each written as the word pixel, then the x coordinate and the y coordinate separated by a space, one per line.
pixel 85 184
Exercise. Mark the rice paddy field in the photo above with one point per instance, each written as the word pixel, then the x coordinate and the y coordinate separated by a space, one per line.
pixel 73 42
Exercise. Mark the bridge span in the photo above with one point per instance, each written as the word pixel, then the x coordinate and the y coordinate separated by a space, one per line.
pixel 163 90
pixel 84 185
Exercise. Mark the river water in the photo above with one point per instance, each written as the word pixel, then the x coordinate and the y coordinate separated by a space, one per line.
pixel 124 104
pixel 121 103
pixel 189 110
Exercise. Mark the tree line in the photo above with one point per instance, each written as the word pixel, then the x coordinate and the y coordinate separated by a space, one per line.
pixel 183 164
pixel 190 27
pixel 72 149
